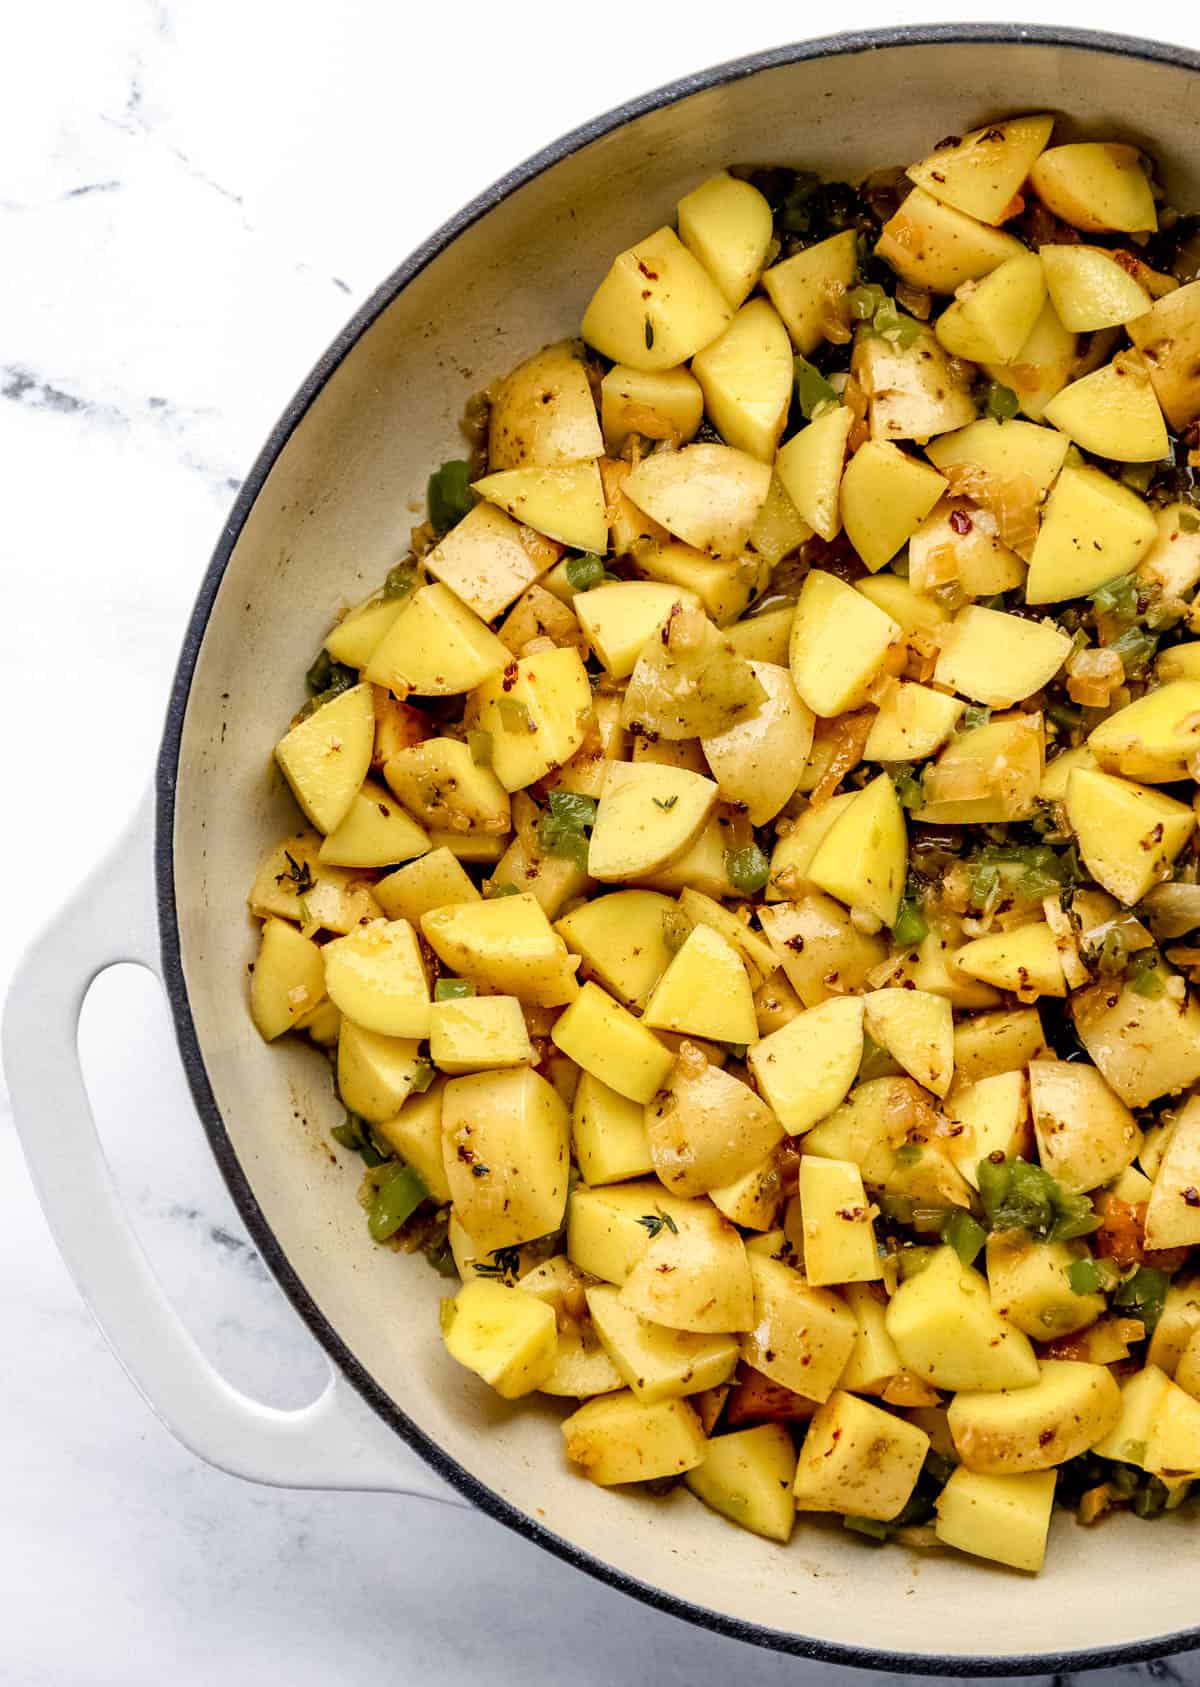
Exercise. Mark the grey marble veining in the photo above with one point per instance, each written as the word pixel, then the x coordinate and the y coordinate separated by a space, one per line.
pixel 192 199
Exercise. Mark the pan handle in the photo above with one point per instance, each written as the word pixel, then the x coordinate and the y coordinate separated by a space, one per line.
pixel 335 1441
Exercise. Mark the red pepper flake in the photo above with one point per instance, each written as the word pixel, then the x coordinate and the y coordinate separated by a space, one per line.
pixel 509 678
pixel 961 522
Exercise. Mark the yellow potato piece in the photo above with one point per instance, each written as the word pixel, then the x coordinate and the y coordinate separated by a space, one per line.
pixel 932 245
pixel 778 529
pixel 810 467
pixel 608 1134
pixel 1090 289
pixel 1015 452
pixel 800 1336
pixel 839 642
pixel 993 1111
pixel 727 225
pixel 746 376
pixel 1044 364
pixel 885 496
pixel 1128 834
pixel 914 391
pixel 360 632
pixel 747 1477
pixel 810 287
pixel 982 173
pixel 999 659
pixel 1168 337
pixel 1173 1211
pixel 706 1128
pixel 288 980
pixel 725 585
pixel 859 1460
pixel 434 880
pixel 707 495
pixel 955 530
pixel 1173 563
pixel 1156 738
pixel 873 1360
pixel 416 1134
pixel 622 941
pixel 647 815
pixel 375 975
pixel 947 1333
pixel 606 1040
pixel 537 712
pixel 326 757
pixel 658 404
pixel 704 992
pixel 1146 1046
pixel 990 1043
pixel 507 944
pixel 619 617
pixel 484 561
pixel 1093 530
pixel 656 306
pixel 376 1074
pixel 1004 1518
pixel 566 504
pixel 821 950
pixel 504 1147
pixel 618 1439
pixel 917 1029
pixel 913 722
pixel 694 1275
pixel 437 647
pixel 657 1363
pixel 1029 1286
pixel 1003 761
pixel 910 609
pixel 991 319
pixel 758 761
pixel 542 415
pixel 1025 961
pixel 806 1069
pixel 1086 1135
pixel 608 1229
pixel 507 1338
pixel 478 1033
pixel 863 858
pixel 839 1238
pixel 1096 186
pixel 374 832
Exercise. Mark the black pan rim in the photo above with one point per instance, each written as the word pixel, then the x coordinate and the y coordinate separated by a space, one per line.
pixel 860 1657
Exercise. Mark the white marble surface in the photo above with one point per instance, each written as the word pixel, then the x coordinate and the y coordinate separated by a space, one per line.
pixel 192 199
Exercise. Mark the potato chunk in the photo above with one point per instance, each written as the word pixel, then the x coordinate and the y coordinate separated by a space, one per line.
pixel 885 496
pixel 1093 530
pixel 504 1146
pixel 799 1336
pixel 1168 337
pixel 839 642
pixel 441 784
pixel 810 468
pixel 981 174
pixel 863 857
pixel 1128 834
pixel 999 659
pixel 915 390
pixel 821 949
pixel 288 980
pixel 484 560
pixel 647 816
pixel 809 289
pixel 375 1074
pixel 375 832
pixel 990 320
pixel 1173 1211
pixel 704 992
pixel 325 758
pixel 806 1069
pixel 1145 1046
pixel 917 1029
pixel 622 941
pixel 618 618
pixel 618 1439
pixel 933 245
pixel 507 1338
pixel 1071 1407
pixel 858 1459
pixel 1005 1518
pixel 1155 738
pixel 758 761
pixel 659 404
pixel 694 1275
pixel 437 647
pixel 746 376
pixel 507 944
pixel 542 415
pixel 747 1477
pixel 478 1033
pixel 1096 186
pixel 707 495
pixel 607 1041
pixel 653 1361
pixel 608 1133
pixel 727 224
pixel 536 711
pixel 1113 412
pixel 1090 289
pixel 1025 960
pixel 839 1239
pixel 566 504
pixel 375 975
pixel 993 1113
pixel 706 1128
pixel 947 1333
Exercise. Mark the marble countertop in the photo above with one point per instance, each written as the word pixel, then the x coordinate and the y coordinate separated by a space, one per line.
pixel 193 198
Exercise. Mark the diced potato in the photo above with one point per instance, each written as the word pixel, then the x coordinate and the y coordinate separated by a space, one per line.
pixel 810 466
pixel 913 722
pixel 622 941
pixel 1029 1286
pixel 933 245
pixel 656 306
pixel 993 1112
pixel 376 1074
pixel 505 1150
pixel 1085 1134
pixel 822 951
pixel 863 858
pixel 913 391
pixel 1168 337
pixel 1173 564
pixel 647 816
pixel 1113 412
pixel 809 290
pixel 702 910
pixel 440 782
pixel 991 319
pixel 839 643
pixel 656 403
pixel 911 610
pixel 397 727
pixel 358 634
pixel 806 1069
pixel 416 1134
pixel 991 1043
pixel 1093 530
pixel 507 1338
pixel 778 530
pixel 326 757
pixel 1145 1046
pixel 792 855
pixel 694 1275
pixel 688 682
pixel 375 975
pixel 707 495
pixel 725 585
pixel 374 832
pixel 1024 960
pixel 331 900
pixel 873 1360
pixel 1017 453
pixel 483 560
pixel 1188 1373
pixel 608 1132
pixel 727 224
pixel 653 1361
pixel 1004 1518
pixel 1128 834
pixel 536 712
pixel 752 1201
pixel 1156 738
pixel 434 880
pixel 885 496
pixel 437 647
pixel 608 1229
pixel 746 376
pixel 958 533
pixel 917 1029
pixel 1044 364
pixel 607 1041
pixel 700 867
pixel 618 618
pixel 478 1033
pixel 552 880
pixel 606 741
pixel 839 1238
pixel 799 1336
pixel 704 992
pixel 618 1439
pixel 537 613
pixel 1090 289
pixel 1096 186
pixel 747 1477
pixel 1001 762
pixel 542 415
pixel 582 1369
pixel 322 1024
pixel 566 504
pixel 858 1459
pixel 288 980
pixel 1173 1211
pixel 1173 1450
pixel 507 944
pixel 999 659
pixel 937 969
pixel 1142 1398
pixel 947 1332
pixel 982 174
pixel 706 1128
